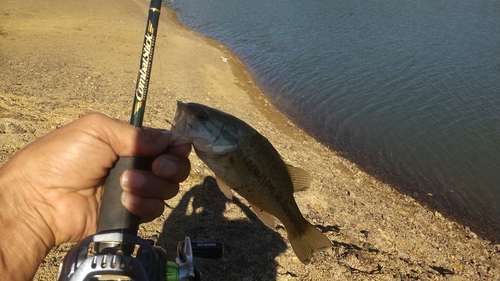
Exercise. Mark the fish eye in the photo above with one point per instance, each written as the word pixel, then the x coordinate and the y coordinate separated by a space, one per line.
pixel 202 115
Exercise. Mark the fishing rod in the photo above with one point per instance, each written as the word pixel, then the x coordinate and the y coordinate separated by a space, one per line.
pixel 115 252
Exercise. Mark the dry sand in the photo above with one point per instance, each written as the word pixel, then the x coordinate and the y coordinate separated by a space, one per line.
pixel 62 59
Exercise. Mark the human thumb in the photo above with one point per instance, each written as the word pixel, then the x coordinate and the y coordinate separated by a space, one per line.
pixel 125 139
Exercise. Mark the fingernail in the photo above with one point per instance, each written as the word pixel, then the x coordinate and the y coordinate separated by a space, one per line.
pixel 167 168
pixel 132 179
pixel 129 199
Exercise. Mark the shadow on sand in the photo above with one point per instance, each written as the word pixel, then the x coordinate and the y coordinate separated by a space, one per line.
pixel 250 247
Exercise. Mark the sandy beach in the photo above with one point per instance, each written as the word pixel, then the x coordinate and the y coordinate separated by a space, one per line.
pixel 63 59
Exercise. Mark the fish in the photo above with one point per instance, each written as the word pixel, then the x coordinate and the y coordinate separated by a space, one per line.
pixel 246 162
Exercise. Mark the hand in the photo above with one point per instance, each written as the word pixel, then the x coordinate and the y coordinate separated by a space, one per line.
pixel 52 188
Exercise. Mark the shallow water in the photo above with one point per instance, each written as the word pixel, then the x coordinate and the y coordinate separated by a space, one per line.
pixel 410 90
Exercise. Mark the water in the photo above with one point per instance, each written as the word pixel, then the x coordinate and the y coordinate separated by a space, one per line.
pixel 410 90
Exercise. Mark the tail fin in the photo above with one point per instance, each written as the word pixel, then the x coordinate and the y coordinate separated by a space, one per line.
pixel 311 241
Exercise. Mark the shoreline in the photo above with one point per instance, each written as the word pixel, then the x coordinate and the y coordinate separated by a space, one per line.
pixel 481 225
pixel 74 58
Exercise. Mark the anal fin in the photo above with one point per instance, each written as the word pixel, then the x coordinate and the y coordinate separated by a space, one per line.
pixel 264 216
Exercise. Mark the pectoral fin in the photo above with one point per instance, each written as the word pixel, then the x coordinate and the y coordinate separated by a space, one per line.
pixel 301 179
pixel 224 188
pixel 264 216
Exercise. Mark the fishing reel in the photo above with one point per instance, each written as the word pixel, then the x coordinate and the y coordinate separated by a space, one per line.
pixel 126 257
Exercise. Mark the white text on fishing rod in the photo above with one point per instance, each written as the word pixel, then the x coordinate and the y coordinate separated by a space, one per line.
pixel 143 72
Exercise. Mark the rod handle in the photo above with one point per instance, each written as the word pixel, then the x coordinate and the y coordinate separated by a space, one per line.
pixel 113 216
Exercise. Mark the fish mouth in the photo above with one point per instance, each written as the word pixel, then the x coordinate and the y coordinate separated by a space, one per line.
pixel 180 117
pixel 180 128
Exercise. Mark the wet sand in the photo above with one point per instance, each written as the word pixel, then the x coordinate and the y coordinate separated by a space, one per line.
pixel 63 59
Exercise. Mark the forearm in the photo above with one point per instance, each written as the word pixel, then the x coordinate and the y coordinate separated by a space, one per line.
pixel 24 240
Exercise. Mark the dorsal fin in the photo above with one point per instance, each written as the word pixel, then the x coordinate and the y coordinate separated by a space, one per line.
pixel 301 179
pixel 224 188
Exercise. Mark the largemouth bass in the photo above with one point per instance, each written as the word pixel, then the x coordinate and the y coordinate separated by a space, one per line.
pixel 246 162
